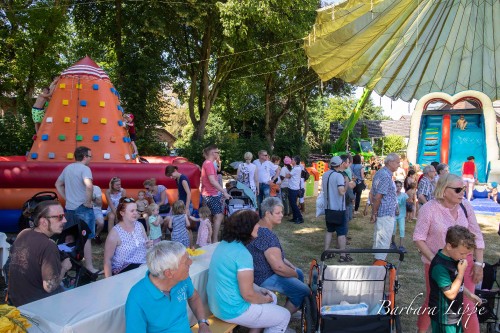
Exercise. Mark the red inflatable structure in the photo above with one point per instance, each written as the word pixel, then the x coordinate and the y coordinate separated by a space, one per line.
pixel 84 111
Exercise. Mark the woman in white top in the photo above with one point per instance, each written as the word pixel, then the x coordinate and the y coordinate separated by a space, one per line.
pixel 248 174
pixel 293 189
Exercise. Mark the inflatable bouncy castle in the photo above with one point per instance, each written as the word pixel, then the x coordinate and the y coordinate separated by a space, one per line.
pixel 434 135
pixel 84 110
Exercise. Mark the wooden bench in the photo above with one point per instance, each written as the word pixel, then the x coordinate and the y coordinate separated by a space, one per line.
pixel 216 326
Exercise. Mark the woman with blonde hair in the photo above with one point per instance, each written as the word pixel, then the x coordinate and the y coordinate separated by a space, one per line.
pixel 247 173
pixel 435 217
pixel 113 195
pixel 156 192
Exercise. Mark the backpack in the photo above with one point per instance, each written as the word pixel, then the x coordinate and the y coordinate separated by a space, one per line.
pixel 304 174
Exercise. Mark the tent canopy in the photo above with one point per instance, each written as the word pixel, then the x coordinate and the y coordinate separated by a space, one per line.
pixel 409 48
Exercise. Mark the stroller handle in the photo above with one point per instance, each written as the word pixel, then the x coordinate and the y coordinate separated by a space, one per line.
pixel 327 254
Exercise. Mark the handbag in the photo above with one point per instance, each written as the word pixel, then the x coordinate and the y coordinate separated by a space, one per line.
pixel 320 204
pixel 335 217
pixel 164 209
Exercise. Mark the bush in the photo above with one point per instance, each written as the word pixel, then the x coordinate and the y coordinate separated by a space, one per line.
pixel 17 133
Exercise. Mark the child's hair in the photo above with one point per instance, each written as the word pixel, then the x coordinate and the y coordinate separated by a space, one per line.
pixel 398 182
pixel 458 235
pixel 179 207
pixel 151 209
pixel 275 159
pixel 205 212
pixel 141 191
pixel 413 186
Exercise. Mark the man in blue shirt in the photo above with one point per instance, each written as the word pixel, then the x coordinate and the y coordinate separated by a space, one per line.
pixel 157 303
pixel 384 205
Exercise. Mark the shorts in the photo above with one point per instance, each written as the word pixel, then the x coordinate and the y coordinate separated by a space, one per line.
pixel 214 203
pixel 83 213
pixel 37 114
pixel 132 136
pixel 468 179
pixel 340 229
pixel 409 207
pixel 98 214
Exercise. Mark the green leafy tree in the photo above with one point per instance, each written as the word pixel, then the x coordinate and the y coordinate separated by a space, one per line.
pixel 392 143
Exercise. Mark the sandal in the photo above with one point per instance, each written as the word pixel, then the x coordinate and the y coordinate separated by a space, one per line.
pixel 348 257
pixel 345 258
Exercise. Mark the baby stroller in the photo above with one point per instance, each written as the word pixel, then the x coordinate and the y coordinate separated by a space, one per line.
pixel 71 243
pixel 352 298
pixel 489 311
pixel 242 198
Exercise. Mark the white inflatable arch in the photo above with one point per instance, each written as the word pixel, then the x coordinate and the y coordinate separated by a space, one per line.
pixel 489 126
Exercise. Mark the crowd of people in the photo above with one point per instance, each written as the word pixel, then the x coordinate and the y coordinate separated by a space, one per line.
pixel 249 265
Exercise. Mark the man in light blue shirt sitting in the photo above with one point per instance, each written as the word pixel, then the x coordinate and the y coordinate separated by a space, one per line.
pixel 158 302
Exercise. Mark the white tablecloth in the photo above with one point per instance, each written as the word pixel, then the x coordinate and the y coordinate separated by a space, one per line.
pixel 100 306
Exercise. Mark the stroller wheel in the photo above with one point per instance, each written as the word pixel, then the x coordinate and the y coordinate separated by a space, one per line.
pixel 309 319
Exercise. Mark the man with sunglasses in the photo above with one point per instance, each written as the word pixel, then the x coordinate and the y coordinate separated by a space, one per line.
pixel 264 167
pixel 75 186
pixel 36 269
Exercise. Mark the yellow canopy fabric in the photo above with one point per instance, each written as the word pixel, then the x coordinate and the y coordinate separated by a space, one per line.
pixel 409 48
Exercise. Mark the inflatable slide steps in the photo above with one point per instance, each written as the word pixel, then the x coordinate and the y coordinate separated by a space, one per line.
pixel 430 145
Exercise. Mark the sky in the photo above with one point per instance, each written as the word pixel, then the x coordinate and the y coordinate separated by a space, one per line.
pixel 399 107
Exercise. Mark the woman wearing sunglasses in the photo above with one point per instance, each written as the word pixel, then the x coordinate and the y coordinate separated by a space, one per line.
pixel 448 209
pixel 127 242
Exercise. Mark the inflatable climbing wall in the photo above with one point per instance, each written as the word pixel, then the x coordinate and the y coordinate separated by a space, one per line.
pixel 84 110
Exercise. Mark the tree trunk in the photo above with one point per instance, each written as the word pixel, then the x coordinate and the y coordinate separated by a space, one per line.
pixel 270 134
pixel 204 103
pixel 306 117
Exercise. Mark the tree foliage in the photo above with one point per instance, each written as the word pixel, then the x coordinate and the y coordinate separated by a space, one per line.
pixel 234 70
pixel 390 144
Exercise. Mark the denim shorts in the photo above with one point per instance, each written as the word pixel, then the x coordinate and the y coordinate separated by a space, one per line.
pixel 294 288
pixel 83 213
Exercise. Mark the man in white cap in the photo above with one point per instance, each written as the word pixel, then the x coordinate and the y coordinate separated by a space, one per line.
pixel 334 189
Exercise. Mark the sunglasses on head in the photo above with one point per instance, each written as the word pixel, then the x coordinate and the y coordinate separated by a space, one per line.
pixel 59 217
pixel 128 200
pixel 457 189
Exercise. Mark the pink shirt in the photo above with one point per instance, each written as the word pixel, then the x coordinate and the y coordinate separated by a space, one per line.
pixel 434 220
pixel 207 169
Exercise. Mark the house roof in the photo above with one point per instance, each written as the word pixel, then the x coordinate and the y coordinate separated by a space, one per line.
pixel 376 128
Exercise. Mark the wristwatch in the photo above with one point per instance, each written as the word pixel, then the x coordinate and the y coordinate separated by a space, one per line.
pixel 478 263
pixel 203 321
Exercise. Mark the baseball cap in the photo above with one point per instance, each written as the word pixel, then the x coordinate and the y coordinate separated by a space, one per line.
pixel 287 160
pixel 336 161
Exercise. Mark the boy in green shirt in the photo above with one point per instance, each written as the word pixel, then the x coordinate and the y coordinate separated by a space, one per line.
pixel 446 275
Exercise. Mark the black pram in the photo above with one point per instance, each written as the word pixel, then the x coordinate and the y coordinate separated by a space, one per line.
pixel 71 243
